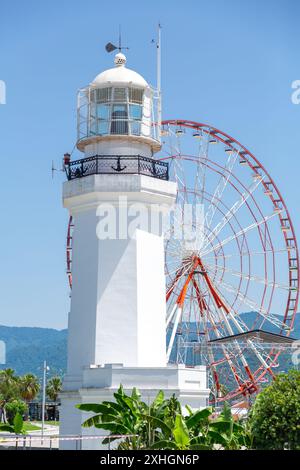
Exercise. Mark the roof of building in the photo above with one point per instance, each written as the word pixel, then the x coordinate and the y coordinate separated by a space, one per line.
pixel 261 335
pixel 120 75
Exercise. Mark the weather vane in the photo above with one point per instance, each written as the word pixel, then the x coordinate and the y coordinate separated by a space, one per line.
pixel 111 47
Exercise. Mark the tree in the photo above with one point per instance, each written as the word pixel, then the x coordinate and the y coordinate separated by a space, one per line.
pixel 9 384
pixel 53 388
pixel 9 390
pixel 15 407
pixel 275 415
pixel 29 387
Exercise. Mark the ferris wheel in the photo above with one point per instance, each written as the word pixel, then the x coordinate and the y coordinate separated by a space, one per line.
pixel 236 270
pixel 231 259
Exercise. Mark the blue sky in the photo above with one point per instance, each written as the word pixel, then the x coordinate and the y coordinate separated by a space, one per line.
pixel 228 63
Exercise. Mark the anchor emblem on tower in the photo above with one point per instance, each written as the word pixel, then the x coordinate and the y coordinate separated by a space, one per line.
pixel 119 167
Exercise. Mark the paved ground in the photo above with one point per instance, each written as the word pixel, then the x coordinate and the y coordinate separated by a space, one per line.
pixel 33 439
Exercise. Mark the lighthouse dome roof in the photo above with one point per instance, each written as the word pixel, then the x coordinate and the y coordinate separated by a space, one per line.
pixel 119 75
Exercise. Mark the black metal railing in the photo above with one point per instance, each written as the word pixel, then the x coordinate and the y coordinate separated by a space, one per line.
pixel 113 164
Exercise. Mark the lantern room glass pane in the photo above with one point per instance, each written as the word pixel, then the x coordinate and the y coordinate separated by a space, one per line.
pixel 135 111
pixel 103 111
pixel 101 95
pixel 93 120
pixel 103 127
pixel 135 127
pixel 135 114
pixel 120 94
pixel 119 119
pixel 136 95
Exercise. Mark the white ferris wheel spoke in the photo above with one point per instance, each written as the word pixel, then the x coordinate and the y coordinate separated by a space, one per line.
pixel 179 172
pixel 220 188
pixel 231 212
pixel 175 281
pixel 240 233
pixel 247 253
pixel 235 342
pixel 209 347
pixel 202 167
pixel 250 343
pixel 172 273
pixel 227 356
pixel 169 318
pixel 252 304
pixel 176 248
pixel 249 277
pixel 174 330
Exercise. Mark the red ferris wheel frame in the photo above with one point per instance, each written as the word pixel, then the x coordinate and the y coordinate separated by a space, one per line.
pixel 275 196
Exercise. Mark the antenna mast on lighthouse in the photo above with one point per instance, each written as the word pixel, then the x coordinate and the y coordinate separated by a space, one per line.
pixel 158 84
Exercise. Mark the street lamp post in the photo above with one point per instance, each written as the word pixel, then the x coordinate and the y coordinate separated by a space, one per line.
pixel 45 369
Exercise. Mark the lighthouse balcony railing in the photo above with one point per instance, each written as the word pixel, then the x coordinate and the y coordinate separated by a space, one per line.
pixel 117 164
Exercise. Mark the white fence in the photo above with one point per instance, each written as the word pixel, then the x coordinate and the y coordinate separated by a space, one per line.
pixel 32 442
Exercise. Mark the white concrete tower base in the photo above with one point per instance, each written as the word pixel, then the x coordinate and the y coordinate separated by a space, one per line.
pixel 100 383
pixel 117 329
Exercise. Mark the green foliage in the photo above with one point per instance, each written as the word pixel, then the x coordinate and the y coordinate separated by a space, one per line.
pixel 15 427
pixel 14 391
pixel 9 385
pixel 228 434
pixel 29 387
pixel 275 416
pixel 18 423
pixel 14 408
pixel 181 433
pixel 128 415
pixel 54 387
pixel 163 425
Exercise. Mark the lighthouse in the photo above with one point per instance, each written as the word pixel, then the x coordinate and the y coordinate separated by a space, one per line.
pixel 118 195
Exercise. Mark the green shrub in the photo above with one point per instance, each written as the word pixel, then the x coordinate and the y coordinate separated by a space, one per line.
pixel 15 407
pixel 275 416
pixel 163 425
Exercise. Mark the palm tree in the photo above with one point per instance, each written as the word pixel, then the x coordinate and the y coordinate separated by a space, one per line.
pixel 29 387
pixel 53 388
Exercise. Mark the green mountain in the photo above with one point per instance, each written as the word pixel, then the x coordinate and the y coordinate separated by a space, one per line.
pixel 27 348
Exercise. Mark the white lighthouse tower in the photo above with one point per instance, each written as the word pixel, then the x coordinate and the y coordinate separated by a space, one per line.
pixel 117 326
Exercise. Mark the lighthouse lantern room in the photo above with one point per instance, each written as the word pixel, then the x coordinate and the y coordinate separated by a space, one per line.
pixel 117 111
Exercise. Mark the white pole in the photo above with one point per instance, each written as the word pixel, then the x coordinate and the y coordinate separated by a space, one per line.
pixel 177 318
pixel 159 106
pixel 44 398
